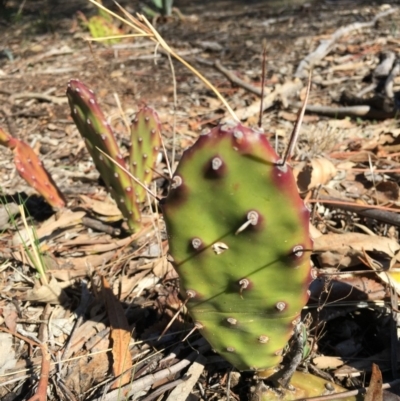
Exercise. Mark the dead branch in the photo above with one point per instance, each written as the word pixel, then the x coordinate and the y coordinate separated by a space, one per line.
pixel 364 111
pixel 376 212
pixel 41 392
pixel 236 80
pixel 281 92
pixel 146 381
pixel 327 45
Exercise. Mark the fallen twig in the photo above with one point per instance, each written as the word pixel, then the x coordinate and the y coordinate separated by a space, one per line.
pixel 146 381
pixel 326 45
pixel 41 392
pixel 371 211
pixel 349 111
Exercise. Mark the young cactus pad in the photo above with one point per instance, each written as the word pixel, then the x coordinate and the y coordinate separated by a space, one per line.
pixel 97 132
pixel 145 145
pixel 238 235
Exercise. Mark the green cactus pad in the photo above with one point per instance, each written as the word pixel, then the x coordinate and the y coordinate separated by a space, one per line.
pixel 97 132
pixel 305 385
pixel 238 234
pixel 146 142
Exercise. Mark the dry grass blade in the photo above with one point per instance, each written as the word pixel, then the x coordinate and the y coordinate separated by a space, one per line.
pixel 146 29
pixel 129 173
pixel 296 130
pixel 35 258
pixel 120 335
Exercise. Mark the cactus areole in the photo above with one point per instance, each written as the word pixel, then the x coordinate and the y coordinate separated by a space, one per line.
pixel 238 235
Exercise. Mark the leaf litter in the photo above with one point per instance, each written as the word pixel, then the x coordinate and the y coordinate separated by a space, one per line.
pixel 350 170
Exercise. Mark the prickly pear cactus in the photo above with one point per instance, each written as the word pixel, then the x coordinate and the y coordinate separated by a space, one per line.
pixel 145 145
pixel 31 169
pixel 98 135
pixel 238 234
pixel 303 386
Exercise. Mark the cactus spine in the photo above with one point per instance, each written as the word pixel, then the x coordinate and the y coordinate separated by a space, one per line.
pixel 99 138
pixel 238 234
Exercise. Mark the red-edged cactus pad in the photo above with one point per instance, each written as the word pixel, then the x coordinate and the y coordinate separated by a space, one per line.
pixel 31 169
pixel 145 145
pixel 93 126
pixel 238 234
pixel 7 140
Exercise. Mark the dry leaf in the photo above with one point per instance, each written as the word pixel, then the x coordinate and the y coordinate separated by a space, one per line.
pixel 161 267
pixel 387 191
pixel 7 211
pixel 7 353
pixel 106 207
pixel 327 362
pixel 345 250
pixel 311 174
pixel 183 390
pixel 374 392
pixel 65 218
pixel 120 335
pixel 90 261
pixel 129 283
pixel 51 293
pixel 10 316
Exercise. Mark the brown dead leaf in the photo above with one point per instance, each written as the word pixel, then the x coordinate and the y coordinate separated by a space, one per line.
pixel 293 117
pixel 106 207
pixel 161 267
pixel 65 218
pixel 51 293
pixel 120 335
pixel 109 246
pixel 343 123
pixel 327 362
pixel 86 372
pixel 10 316
pixel 387 191
pixel 345 250
pixel 129 283
pixel 91 261
pixel 349 287
pixel 318 171
pixel 348 66
pixel 374 392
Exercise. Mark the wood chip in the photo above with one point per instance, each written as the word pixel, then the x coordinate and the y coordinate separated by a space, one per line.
pixel 182 391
